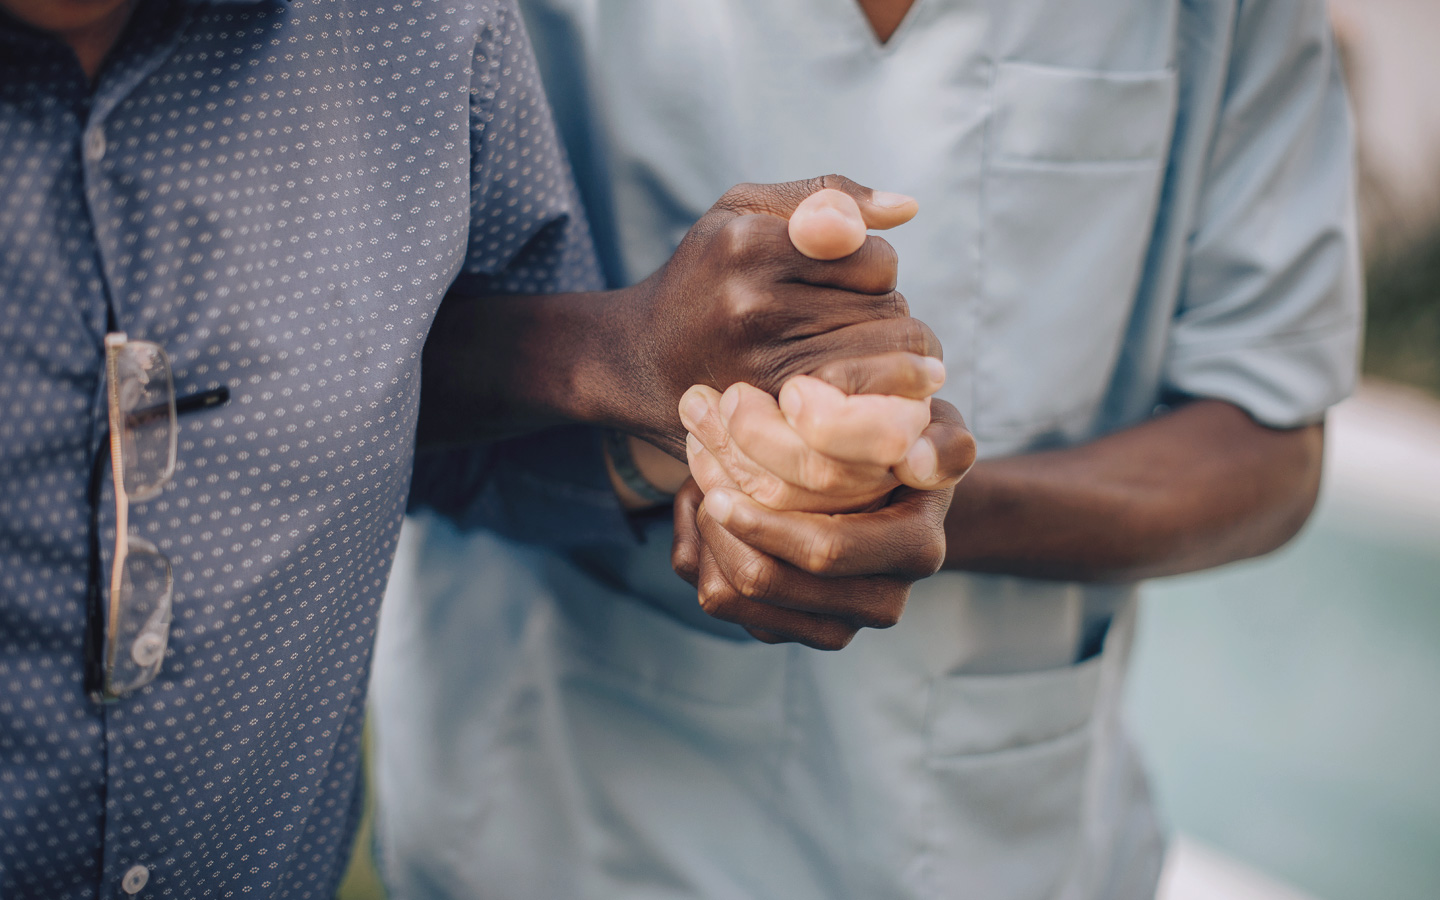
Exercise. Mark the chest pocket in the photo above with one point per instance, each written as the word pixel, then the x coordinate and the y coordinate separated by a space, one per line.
pixel 1074 162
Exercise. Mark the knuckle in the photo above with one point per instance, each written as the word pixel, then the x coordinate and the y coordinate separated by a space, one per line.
pixel 737 237
pixel 818 474
pixel 768 491
pixel 911 377
pixel 823 552
pixel 928 557
pixel 843 374
pixel 833 637
pixel 715 595
pixel 753 578
pixel 895 305
pixel 883 615
pixel 888 617
pixel 739 196
pixel 682 560
pixel 754 248
pixel 767 637
pixel 883 261
pixel 745 306
pixel 910 335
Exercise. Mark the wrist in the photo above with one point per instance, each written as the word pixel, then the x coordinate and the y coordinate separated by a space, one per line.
pixel 628 384
pixel 642 476
pixel 572 357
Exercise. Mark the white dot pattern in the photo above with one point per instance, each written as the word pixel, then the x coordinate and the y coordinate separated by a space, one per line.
pixel 279 194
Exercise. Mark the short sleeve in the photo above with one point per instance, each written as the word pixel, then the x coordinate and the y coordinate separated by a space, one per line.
pixel 1270 311
pixel 528 233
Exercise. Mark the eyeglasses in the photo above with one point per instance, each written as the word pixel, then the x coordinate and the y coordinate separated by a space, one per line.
pixel 143 428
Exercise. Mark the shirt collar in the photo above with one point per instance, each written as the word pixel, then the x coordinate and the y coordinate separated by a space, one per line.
pixel 10 27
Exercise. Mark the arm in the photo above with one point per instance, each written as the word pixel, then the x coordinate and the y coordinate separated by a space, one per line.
pixel 737 302
pixel 1195 488
pixel 1198 487
pixel 1266 322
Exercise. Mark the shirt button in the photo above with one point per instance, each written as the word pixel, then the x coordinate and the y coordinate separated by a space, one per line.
pixel 134 880
pixel 95 144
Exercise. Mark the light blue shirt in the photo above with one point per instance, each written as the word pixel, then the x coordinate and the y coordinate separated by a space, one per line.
pixel 1122 203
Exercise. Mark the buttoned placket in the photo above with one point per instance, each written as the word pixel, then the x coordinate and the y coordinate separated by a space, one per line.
pixel 281 203
pixel 132 61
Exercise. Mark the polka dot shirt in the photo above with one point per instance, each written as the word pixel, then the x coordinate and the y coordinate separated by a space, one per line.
pixel 279 194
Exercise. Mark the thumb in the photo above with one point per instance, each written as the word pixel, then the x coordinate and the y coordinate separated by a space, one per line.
pixel 827 225
pixel 878 209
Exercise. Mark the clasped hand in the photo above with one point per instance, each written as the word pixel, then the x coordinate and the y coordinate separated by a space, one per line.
pixel 809 516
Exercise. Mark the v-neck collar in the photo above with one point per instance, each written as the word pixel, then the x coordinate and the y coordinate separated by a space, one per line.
pixel 872 39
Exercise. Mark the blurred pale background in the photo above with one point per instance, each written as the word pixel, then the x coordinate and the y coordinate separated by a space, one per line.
pixel 1290 706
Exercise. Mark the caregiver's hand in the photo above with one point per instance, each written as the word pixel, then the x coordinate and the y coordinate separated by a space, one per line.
pixel 866 435
pixel 821 449
pixel 811 577
pixel 736 302
pixel 739 302
pixel 838 441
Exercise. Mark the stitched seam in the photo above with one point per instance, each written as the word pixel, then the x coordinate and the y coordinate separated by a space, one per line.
pixel 1220 346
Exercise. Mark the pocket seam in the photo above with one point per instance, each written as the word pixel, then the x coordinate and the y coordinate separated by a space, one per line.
pixel 1042 164
pixel 1003 98
pixel 1091 669
pixel 1121 75
pixel 943 758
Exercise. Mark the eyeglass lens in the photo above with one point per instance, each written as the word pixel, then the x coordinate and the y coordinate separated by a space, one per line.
pixel 147 408
pixel 142 627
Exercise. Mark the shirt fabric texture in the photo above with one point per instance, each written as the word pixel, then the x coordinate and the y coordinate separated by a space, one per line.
pixel 1122 203
pixel 279 194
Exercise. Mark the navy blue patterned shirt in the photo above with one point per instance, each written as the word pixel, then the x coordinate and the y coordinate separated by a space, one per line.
pixel 279 194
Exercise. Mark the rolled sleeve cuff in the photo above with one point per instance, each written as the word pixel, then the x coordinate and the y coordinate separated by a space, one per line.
pixel 1282 382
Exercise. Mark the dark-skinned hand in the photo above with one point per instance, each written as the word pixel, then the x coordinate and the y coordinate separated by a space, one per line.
pixel 739 303
pixel 814 577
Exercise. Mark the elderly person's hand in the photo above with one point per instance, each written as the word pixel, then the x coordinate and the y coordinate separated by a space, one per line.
pixel 813 577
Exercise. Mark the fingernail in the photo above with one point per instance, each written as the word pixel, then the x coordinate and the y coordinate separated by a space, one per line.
pixel 923 460
pixel 890 200
pixel 936 370
pixel 791 401
pixel 693 408
pixel 720 505
pixel 728 401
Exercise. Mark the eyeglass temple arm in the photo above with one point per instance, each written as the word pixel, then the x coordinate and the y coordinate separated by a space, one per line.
pixel 94 627
pixel 201 400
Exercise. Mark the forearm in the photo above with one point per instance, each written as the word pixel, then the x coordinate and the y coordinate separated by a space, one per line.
pixel 497 366
pixel 1201 486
